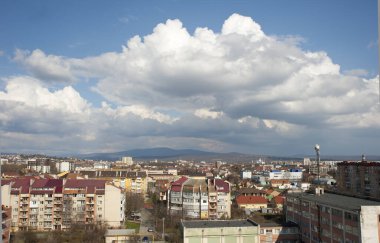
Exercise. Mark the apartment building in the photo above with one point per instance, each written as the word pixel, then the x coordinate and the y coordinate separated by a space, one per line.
pixel 6 213
pixel 39 165
pixel 359 178
pixel 273 232
pixel 291 175
pixel 132 181
pixel 200 198
pixel 54 204
pixel 327 217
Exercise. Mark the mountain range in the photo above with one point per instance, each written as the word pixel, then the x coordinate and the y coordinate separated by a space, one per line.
pixel 162 153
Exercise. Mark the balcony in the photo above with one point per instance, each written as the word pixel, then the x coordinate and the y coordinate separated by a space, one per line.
pixel 23 209
pixel 212 199
pixel 90 202
pixel 56 202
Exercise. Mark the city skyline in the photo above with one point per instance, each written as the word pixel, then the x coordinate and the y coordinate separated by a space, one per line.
pixel 217 76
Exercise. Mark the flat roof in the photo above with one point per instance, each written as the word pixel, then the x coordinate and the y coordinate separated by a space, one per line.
pixel 120 232
pixel 336 200
pixel 217 223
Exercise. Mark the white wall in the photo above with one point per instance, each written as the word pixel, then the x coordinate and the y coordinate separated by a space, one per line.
pixel 369 223
pixel 112 205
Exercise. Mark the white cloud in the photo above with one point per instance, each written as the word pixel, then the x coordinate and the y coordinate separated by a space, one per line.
pixel 235 86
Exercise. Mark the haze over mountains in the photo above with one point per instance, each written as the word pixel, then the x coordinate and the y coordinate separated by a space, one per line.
pixel 162 153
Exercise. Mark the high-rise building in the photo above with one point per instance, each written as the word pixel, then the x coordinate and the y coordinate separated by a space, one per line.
pixel 127 160
pixel 359 178
pixel 54 204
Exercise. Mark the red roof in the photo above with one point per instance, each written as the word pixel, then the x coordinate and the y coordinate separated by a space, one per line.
pixel 180 181
pixel 92 186
pixel 177 185
pixel 222 186
pixel 251 200
pixel 48 183
pixel 279 200
pixel 21 186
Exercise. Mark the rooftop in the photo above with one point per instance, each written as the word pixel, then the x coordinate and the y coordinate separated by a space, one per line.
pixel 217 223
pixel 335 200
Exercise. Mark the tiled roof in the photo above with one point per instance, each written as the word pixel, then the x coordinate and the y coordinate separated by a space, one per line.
pixel 251 200
pixel 279 200
pixel 21 186
pixel 48 183
pixel 180 181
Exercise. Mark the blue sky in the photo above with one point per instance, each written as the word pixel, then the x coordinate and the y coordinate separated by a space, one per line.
pixel 52 50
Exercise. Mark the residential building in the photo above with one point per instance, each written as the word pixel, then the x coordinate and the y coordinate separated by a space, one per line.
pixel 246 174
pixel 323 169
pixel 228 231
pixel 54 204
pixel 280 183
pixel 131 181
pixel 200 198
pixel 120 236
pixel 251 203
pixel 272 232
pixel 327 217
pixel 127 160
pixel 63 166
pixel 39 165
pixel 251 192
pixel 359 178
pixel 291 175
pixel 6 223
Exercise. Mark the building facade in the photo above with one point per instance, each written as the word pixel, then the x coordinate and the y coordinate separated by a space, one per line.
pixel 200 198
pixel 327 217
pixel 359 178
pixel 54 204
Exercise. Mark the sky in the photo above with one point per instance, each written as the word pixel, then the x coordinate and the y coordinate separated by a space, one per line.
pixel 259 77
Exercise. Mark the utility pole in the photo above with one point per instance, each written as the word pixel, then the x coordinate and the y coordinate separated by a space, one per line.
pixel 317 148
pixel 163 229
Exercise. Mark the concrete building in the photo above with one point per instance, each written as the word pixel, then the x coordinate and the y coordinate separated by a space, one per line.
pixel 6 213
pixel 63 166
pixel 127 160
pixel 39 165
pixel 132 181
pixel 359 178
pixel 276 232
pixel 215 231
pixel 200 198
pixel 326 217
pixel 252 203
pixel 54 204
pixel 246 174
pixel 291 175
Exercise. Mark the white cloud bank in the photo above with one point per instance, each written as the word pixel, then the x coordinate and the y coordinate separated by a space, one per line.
pixel 237 88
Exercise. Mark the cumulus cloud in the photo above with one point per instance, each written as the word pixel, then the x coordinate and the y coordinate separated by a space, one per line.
pixel 233 86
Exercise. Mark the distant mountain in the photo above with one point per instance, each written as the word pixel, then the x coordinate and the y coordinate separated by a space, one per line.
pixel 199 155
pixel 150 153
